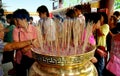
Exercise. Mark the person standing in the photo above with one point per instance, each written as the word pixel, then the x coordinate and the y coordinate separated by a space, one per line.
pixel 113 31
pixel 113 65
pixel 22 32
pixel 47 24
pixel 101 53
pixel 8 37
pixel 48 29
pixel 79 13
pixel 10 46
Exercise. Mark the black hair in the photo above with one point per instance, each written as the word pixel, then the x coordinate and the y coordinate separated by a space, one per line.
pixel 79 7
pixel 43 9
pixel 114 18
pixel 10 16
pixel 105 17
pixel 116 13
pixel 92 17
pixel 1 12
pixel 22 14
pixel 31 18
pixel 70 13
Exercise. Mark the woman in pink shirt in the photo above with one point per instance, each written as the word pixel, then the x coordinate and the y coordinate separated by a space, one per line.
pixel 23 31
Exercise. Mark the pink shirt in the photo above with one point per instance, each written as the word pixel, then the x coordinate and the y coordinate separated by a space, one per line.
pixel 115 45
pixel 91 39
pixel 20 34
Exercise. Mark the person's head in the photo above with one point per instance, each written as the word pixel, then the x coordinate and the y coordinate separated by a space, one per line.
pixel 2 18
pixel 113 21
pixel 78 9
pixel 31 19
pixel 9 18
pixel 117 14
pixel 104 18
pixel 43 11
pixel 93 18
pixel 70 13
pixel 21 17
pixel 1 12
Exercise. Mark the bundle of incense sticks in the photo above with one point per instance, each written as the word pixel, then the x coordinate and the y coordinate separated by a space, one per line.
pixel 72 39
pixel 87 35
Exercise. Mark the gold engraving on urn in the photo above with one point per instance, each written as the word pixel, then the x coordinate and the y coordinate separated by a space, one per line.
pixel 78 65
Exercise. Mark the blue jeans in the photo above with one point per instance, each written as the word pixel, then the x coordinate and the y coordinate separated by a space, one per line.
pixel 100 65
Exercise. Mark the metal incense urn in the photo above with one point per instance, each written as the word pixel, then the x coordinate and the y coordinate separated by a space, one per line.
pixel 75 65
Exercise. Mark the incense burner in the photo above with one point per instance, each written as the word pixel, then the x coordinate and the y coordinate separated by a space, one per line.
pixel 74 65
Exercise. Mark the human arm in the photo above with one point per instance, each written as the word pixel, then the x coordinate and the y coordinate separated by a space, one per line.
pixel 16 45
pixel 111 33
pixel 9 28
pixel 101 52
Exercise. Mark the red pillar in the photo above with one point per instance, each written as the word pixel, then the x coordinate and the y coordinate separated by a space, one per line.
pixel 110 6
pixel 107 4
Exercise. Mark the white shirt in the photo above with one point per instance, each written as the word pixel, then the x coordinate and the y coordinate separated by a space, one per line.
pixel 82 19
pixel 49 29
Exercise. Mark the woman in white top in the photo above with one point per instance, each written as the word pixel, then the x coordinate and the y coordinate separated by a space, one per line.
pixel 47 24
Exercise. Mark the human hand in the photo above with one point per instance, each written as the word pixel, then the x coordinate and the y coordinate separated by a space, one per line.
pixel 26 49
pixel 94 60
pixel 102 53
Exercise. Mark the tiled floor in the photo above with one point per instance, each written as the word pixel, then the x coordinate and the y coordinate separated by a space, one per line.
pixel 6 67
